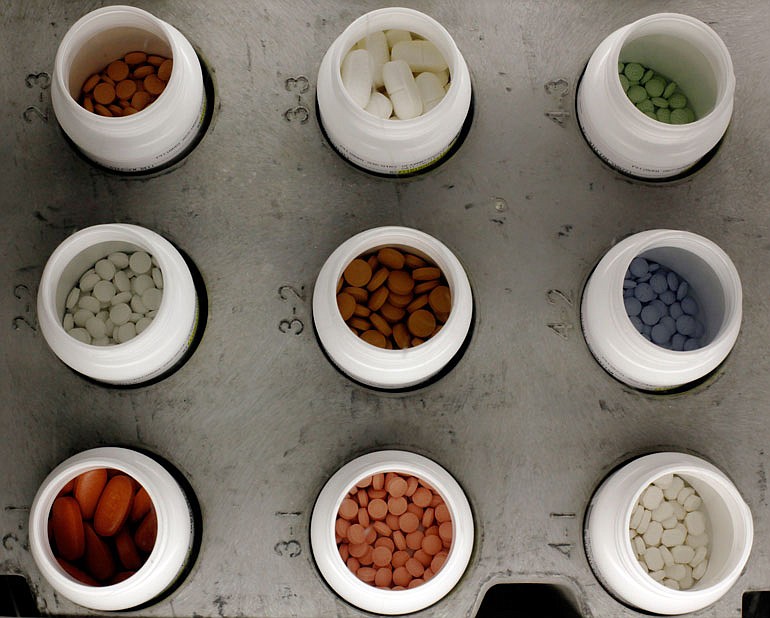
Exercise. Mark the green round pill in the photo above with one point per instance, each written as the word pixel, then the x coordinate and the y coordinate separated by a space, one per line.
pixel 651 115
pixel 649 74
pixel 690 114
pixel 677 101
pixel 670 89
pixel 679 116
pixel 624 83
pixel 621 66
pixel 659 102
pixel 645 106
pixel 636 94
pixel 634 71
pixel 664 115
pixel 655 87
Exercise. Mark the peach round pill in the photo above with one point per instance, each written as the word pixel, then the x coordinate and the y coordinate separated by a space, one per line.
pixel 381 556
pixel 401 576
pixel 357 550
pixel 356 533
pixel 427 518
pixel 397 506
pixel 366 574
pixel 384 577
pixel 341 527
pixel 442 513
pixel 399 540
pixel 422 497
pixel 445 531
pixel 438 561
pixel 423 558
pixel 414 567
pixel 431 544
pixel 409 522
pixel 384 541
pixel 414 540
pixel 396 487
pixel 378 509
pixel 353 564
pixel 363 517
pixel 125 89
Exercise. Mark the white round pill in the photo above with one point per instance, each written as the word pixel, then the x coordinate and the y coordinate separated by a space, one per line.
pixel 673 490
pixel 151 298
pixel 105 269
pixel 81 334
pixel 126 331
pixel 653 533
pixel 88 281
pixel 137 306
pixel 68 322
pixel 72 298
pixel 675 536
pixel 89 303
pixel 120 314
pixel 695 522
pixel 82 316
pixel 96 328
pixel 698 556
pixel 653 559
pixel 121 297
pixel 664 482
pixel 104 290
pixel 118 258
pixel 140 262
pixel 157 278
pixel 652 497
pixel 682 554
pixel 663 512
pixel 121 281
pixel 140 283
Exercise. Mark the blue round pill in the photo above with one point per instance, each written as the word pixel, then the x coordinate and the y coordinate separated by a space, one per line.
pixel 677 342
pixel 651 316
pixel 689 306
pixel 675 310
pixel 628 284
pixel 667 297
pixel 700 330
pixel 629 293
pixel 647 332
pixel 644 292
pixel 660 306
pixel 673 281
pixel 685 325
pixel 691 344
pixel 669 323
pixel 660 334
pixel 658 283
pixel 637 323
pixel 638 267
pixel 652 266
pixel 633 306
pixel 682 290
pixel 643 278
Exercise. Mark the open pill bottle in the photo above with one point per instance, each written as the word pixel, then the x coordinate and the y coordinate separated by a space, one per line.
pixel 686 51
pixel 174 540
pixel 336 572
pixel 621 349
pixel 609 548
pixel 149 355
pixel 381 368
pixel 157 135
pixel 384 146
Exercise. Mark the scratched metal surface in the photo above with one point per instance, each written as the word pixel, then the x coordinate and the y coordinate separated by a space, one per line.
pixel 258 419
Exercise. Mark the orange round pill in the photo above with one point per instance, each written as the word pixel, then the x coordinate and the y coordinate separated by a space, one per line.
pixel 153 84
pixel 360 294
pixel 421 323
pixel 118 70
pixel 363 517
pixel 401 336
pixel 423 558
pixel 378 298
pixel 391 314
pixel 409 522
pixel 366 559
pixel 90 83
pixel 417 581
pixel 401 576
pixel 381 556
pixel 414 540
pixel 371 535
pixel 155 60
pixel 384 577
pixel 164 70
pixel 427 518
pixel 399 558
pixel 413 261
pixel 400 301
pixel 366 574
pixel 88 104
pixel 399 540
pixel 353 564
pixel 440 299
pixel 400 282
pixel 344 553
pixel 445 531
pixel 438 561
pixel 397 506
pixel 374 337
pixel 341 527
pixel 102 111
pixel 143 71
pixel 442 513
pixel 396 487
pixel 378 509
pixel 422 497
pixel 426 286
pixel 358 273
pixel 411 486
pixel 133 58
pixel 104 94
pixel 417 303
pixel 381 325
pixel 384 541
pixel 140 100
pixel 377 279
pixel 431 544
pixel 348 509
pixel 346 305
pixel 391 258
pixel 356 534
pixel 414 567
pixel 116 110
pixel 357 550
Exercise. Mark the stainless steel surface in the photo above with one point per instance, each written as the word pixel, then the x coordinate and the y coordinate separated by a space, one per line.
pixel 258 419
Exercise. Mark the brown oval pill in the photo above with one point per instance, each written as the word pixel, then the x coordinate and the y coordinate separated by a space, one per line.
pixel 143 71
pixel 116 110
pixel 397 506
pixel 382 528
pixel 421 323
pixel 125 89
pixel 145 534
pixel 401 576
pixel 414 567
pixel 118 70
pixel 104 94
pixel 155 60
pixel 88 489
pixel 400 282
pixel 378 298
pixel 361 311
pixel 360 323
pixel 413 261
pixel 164 70
pixel 426 273
pixel 153 85
pixel 409 522
pixel 426 286
pixel 142 505
pixel 392 314
pixel 400 301
pixel 121 577
pixel 73 571
pixel 346 304
pixel 140 100
pixel 431 544
pixel 384 577
pixel 373 262
pixel 374 337
pixel 133 58
pixel 417 303
pixel 381 556
pixel 129 111
pixel 99 558
pixel 366 574
pixel 107 79
pixel 339 284
pixel 422 497
pixel 391 258
pixel 440 299
pixel 127 552
pixel 67 524
pixel 358 273
pixel 88 104
pixel 380 324
pixel 90 83
pixel 401 336
pixel 358 550
pixel 114 505
pixel 378 279
pixel 67 489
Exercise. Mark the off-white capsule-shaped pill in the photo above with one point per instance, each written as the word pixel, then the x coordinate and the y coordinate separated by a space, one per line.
pixel 663 512
pixel 356 72
pixel 395 36
pixel 81 334
pixel 671 583
pixel 82 316
pixel 669 523
pixel 658 575
pixel 652 497
pixel 157 278
pixel 140 283
pixel 96 328
pixel 120 314
pixel 692 503
pixel 653 559
pixel 105 269
pixel 104 290
pixel 68 322
pixel 666 555
pixel 402 89
pixel 700 570
pixel 695 522
pixel 645 521
pixel 379 53
pixel 683 494
pixel 101 341
pixel 639 546
pixel 72 298
pixel 698 557
pixel 121 281
pixel 126 331
pixel 675 571
pixel 664 482
pixel 152 298
pixel 118 258
pixel 697 540
pixel 443 77
pixel 653 533
pixel 379 105
pixel 679 511
pixel 672 491
pixel 636 516
pixel 431 90
pixel 89 303
pixel 419 55
pixel 675 536
pixel 140 262
pixel 682 554
pixel 89 280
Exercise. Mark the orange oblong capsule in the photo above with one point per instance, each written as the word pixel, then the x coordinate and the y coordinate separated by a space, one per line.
pixel 67 524
pixel 127 552
pixel 114 505
pixel 145 534
pixel 142 505
pixel 88 489
pixel 99 558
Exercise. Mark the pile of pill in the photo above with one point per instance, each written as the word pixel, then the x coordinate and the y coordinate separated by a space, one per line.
pixel 115 300
pixel 127 85
pixel 393 299
pixel 668 533
pixel 660 306
pixel 395 74
pixel 102 527
pixel 654 95
pixel 393 531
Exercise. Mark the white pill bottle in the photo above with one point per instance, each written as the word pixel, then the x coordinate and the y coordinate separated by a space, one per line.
pixel 682 49
pixel 384 146
pixel 156 136
pixel 378 367
pixel 622 350
pixel 160 347
pixel 341 578
pixel 171 556
pixel 608 546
